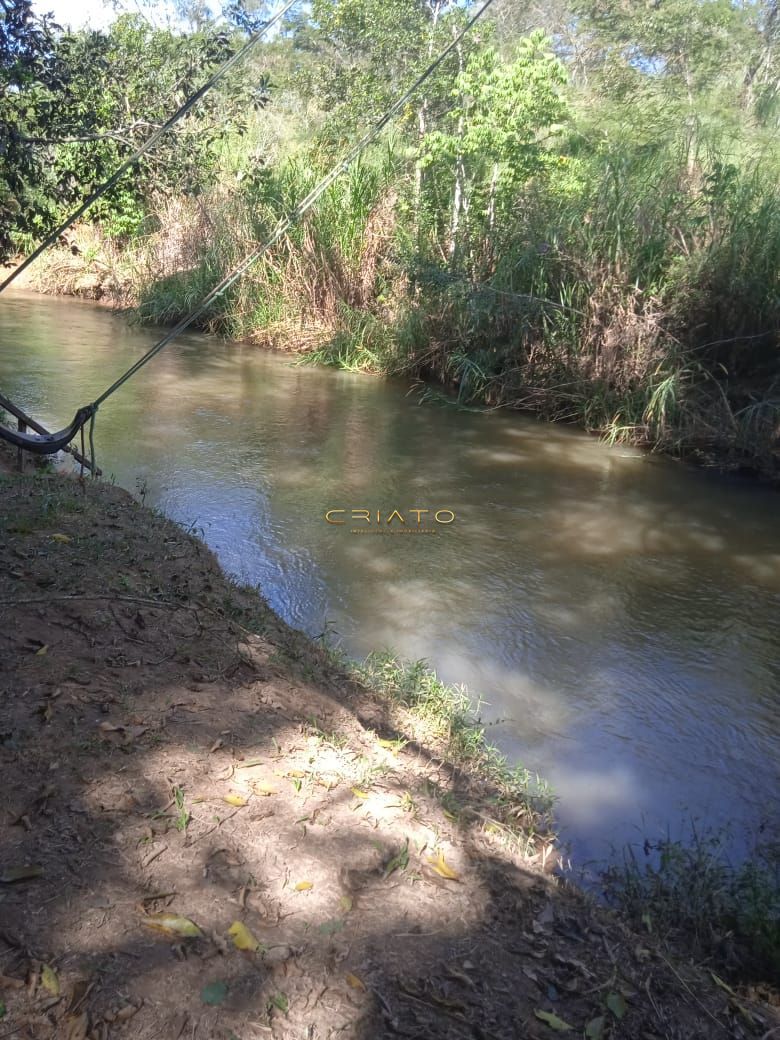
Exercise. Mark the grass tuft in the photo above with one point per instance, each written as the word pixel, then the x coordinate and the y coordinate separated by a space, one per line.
pixel 445 712
pixel 690 895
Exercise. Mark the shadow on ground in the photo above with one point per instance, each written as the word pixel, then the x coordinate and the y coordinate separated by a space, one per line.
pixel 169 747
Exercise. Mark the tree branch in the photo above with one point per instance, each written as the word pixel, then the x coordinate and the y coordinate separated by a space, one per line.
pixel 118 135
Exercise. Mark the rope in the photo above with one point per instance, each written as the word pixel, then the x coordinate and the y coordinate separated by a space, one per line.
pixel 92 456
pixel 150 142
pixel 292 218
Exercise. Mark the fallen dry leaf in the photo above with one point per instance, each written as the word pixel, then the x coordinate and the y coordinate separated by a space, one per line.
pixel 121 734
pixel 235 799
pixel 242 937
pixel 214 993
pixel 304 886
pixel 359 794
pixel 594 1030
pixel 616 1003
pixel 354 982
pixel 126 1013
pixel 553 1021
pixel 81 990
pixel 43 650
pixel 173 924
pixel 723 985
pixel 440 866
pixel 78 1026
pixel 64 538
pixel 110 727
pixel 50 980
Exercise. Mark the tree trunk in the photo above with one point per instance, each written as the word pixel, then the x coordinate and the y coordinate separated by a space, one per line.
pixel 459 188
pixel 457 206
pixel 492 197
pixel 422 122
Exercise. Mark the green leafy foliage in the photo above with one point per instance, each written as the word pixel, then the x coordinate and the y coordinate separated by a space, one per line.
pixel 583 221
pixel 493 136
pixel 76 105
pixel 364 53
pixel 30 77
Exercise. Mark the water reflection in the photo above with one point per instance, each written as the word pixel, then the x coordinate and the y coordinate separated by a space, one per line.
pixel 618 614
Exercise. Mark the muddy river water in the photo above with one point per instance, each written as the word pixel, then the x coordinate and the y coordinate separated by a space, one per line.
pixel 618 614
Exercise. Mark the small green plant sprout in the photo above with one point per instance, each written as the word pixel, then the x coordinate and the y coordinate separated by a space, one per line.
pixel 280 1002
pixel 399 861
pixel 183 815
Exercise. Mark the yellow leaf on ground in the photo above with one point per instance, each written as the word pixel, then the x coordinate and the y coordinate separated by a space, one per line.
pixel 723 985
pixel 64 538
pixel 126 1013
pixel 354 981
pixel 260 787
pixel 242 937
pixel 391 745
pixel 50 981
pixel 439 864
pixel 304 886
pixel 359 794
pixel 553 1021
pixel 43 650
pixel 295 773
pixel 173 924
pixel 235 799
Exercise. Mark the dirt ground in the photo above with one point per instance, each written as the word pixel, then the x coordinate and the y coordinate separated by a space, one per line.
pixel 174 759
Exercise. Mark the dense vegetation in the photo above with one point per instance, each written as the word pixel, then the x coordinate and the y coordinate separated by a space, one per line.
pixel 579 214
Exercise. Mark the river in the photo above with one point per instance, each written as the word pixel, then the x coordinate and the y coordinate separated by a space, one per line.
pixel 617 613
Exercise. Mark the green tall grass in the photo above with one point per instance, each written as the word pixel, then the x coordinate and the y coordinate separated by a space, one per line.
pixel 689 892
pixel 633 291
pixel 634 296
pixel 447 713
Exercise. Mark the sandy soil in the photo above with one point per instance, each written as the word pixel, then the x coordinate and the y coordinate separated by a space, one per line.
pixel 169 747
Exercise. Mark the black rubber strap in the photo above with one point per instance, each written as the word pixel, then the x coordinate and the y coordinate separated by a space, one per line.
pixel 49 443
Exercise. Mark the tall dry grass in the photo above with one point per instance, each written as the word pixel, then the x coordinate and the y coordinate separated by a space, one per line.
pixel 630 293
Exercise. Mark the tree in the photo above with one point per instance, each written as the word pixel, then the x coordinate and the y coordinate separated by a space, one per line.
pixel 83 102
pixel 30 77
pixel 367 52
pixel 493 140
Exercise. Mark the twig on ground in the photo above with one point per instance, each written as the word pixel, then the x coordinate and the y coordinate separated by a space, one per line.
pixel 705 1009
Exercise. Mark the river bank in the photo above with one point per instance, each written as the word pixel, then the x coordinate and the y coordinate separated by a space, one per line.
pixel 614 369
pixel 612 612
pixel 170 746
